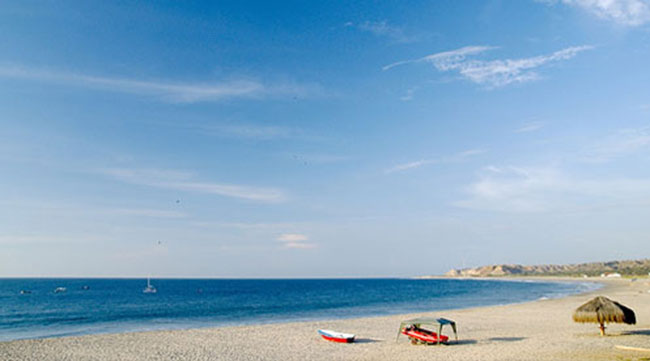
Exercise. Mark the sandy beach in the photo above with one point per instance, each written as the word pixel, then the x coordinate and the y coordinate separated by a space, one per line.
pixel 540 330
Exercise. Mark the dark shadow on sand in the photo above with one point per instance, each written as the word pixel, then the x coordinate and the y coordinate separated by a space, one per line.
pixel 636 332
pixel 462 342
pixel 506 339
pixel 365 340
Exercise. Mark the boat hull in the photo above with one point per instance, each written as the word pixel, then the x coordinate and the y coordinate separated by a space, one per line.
pixel 425 337
pixel 336 336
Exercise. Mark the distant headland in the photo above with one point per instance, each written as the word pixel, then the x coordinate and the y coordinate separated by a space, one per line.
pixel 592 269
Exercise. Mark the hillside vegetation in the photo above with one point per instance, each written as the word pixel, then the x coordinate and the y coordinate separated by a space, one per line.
pixel 625 268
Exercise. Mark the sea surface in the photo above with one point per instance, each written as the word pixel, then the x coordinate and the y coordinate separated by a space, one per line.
pixel 92 306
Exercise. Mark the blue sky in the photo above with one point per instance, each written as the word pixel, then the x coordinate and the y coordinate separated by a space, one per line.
pixel 321 139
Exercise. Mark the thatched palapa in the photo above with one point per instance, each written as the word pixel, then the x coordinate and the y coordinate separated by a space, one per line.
pixel 602 310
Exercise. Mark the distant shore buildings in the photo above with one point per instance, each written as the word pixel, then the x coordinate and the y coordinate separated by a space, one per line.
pixel 610 275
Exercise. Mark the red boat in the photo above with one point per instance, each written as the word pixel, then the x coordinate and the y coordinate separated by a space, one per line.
pixel 337 336
pixel 420 335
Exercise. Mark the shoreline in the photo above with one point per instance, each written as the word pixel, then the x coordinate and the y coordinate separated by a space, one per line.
pixel 535 330
pixel 148 327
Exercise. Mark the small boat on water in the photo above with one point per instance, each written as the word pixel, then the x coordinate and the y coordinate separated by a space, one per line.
pixel 60 290
pixel 337 336
pixel 150 288
pixel 420 335
pixel 25 292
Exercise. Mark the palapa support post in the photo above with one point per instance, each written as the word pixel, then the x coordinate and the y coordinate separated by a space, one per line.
pixel 602 329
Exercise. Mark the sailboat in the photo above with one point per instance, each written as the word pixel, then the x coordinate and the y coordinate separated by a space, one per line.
pixel 149 288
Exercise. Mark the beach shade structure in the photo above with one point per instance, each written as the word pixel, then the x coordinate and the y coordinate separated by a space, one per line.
pixel 602 310
pixel 431 322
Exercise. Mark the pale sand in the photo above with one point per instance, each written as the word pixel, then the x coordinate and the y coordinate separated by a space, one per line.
pixel 540 330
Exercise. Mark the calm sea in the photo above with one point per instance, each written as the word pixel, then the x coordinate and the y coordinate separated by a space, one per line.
pixel 119 305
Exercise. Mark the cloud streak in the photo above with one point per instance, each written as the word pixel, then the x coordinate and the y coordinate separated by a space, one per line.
pixel 249 131
pixel 295 240
pixel 76 210
pixel 623 12
pixel 621 143
pixel 530 127
pixel 385 30
pixel 492 73
pixel 449 159
pixel 145 212
pixel 166 91
pixel 445 59
pixel 184 181
pixel 544 189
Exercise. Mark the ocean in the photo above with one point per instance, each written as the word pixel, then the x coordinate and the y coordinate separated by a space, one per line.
pixel 90 306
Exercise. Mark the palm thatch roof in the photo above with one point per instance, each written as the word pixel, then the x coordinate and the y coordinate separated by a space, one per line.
pixel 603 310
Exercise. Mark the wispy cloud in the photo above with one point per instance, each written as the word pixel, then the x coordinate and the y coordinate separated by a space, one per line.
pixel 249 226
pixel 147 212
pixel 446 59
pixel 49 239
pixel 458 157
pixel 513 189
pixel 250 131
pixel 167 91
pixel 622 142
pixel 244 130
pixel 292 237
pixel 492 73
pixel 184 181
pixel 385 30
pixel 530 127
pixel 75 209
pixel 409 94
pixel 624 12
pixel 410 165
pixel 295 240
pixel 543 189
pixel 316 158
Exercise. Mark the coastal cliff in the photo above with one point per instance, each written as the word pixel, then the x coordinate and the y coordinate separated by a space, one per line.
pixel 625 268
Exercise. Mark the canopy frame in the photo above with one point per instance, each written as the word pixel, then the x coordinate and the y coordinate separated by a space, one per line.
pixel 439 322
